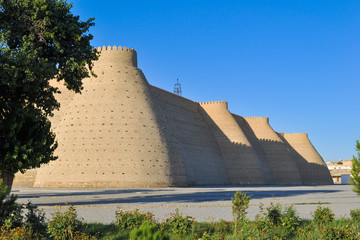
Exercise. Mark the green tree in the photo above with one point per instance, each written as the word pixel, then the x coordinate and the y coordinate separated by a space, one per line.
pixel 40 40
pixel 355 171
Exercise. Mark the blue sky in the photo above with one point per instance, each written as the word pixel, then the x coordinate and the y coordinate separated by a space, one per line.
pixel 296 62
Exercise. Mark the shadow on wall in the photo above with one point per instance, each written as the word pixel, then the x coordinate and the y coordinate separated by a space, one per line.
pixel 243 164
pixel 311 173
pixel 249 163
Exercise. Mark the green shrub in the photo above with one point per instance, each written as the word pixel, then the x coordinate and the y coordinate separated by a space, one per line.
pixel 323 215
pixel 355 215
pixel 148 231
pixel 338 230
pixel 210 236
pixel 240 202
pixel 178 224
pixel 64 225
pixel 289 220
pixel 224 227
pixel 129 220
pixel 276 223
pixel 274 214
pixel 34 219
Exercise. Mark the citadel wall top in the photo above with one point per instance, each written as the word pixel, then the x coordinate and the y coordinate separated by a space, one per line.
pixel 117 57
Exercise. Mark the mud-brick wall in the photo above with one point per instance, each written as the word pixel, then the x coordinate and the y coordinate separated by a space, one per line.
pixel 188 131
pixel 243 164
pixel 283 166
pixel 111 135
pixel 311 165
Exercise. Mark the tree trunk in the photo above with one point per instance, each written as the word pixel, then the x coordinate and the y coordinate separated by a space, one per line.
pixel 8 178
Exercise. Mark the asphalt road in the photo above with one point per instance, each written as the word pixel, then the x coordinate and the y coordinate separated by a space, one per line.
pixel 202 203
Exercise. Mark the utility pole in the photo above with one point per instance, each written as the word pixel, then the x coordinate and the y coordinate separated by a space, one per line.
pixel 177 88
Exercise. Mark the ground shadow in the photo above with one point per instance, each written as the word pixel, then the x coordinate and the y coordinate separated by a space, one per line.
pixel 194 197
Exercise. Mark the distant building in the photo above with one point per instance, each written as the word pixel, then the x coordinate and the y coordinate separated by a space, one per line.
pixel 340 171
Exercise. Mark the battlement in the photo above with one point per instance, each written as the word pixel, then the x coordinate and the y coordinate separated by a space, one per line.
pixel 214 102
pixel 221 104
pixel 115 48
pixel 117 56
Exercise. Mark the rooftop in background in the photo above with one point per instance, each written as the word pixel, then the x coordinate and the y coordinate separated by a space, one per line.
pixel 340 170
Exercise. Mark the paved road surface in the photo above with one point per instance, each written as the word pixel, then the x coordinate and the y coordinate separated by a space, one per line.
pixel 203 203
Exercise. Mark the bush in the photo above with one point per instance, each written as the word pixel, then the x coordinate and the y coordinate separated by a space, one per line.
pixel 240 202
pixel 355 215
pixel 64 225
pixel 129 220
pixel 178 224
pixel 276 222
pixel 323 215
pixel 147 231
pixel 340 229
pixel 34 219
pixel 274 214
pixel 289 220
pixel 223 227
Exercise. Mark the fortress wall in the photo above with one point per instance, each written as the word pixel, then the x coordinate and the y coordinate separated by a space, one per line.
pixel 256 145
pixel 193 137
pixel 26 179
pixel 64 98
pixel 242 162
pixel 311 165
pixel 283 166
pixel 111 134
pixel 122 132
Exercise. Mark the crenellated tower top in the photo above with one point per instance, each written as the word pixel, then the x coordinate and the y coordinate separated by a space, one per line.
pixel 221 104
pixel 117 56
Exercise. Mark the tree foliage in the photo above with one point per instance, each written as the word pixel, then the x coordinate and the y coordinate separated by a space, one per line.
pixel 40 40
pixel 355 171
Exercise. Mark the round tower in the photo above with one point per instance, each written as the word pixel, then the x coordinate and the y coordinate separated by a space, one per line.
pixel 282 164
pixel 111 135
pixel 311 165
pixel 242 162
pixel 114 57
